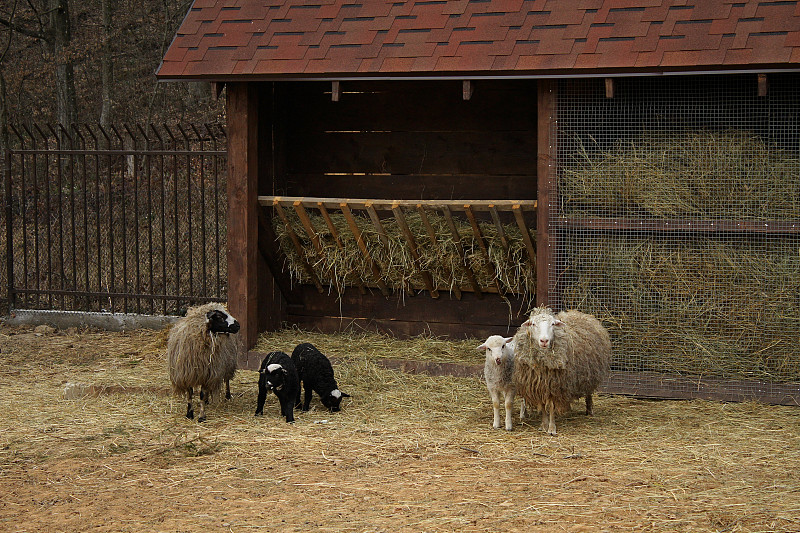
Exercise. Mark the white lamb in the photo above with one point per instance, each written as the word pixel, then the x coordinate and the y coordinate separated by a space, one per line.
pixel 498 371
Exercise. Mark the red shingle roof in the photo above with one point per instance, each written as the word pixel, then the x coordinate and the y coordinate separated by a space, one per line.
pixel 262 39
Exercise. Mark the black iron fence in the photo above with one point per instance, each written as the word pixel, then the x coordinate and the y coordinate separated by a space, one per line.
pixel 122 219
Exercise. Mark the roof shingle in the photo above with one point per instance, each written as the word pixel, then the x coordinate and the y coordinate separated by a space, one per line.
pixel 248 39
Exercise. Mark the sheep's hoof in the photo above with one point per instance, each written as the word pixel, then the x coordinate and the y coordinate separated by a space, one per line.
pixel 190 415
pixel 228 396
pixel 201 419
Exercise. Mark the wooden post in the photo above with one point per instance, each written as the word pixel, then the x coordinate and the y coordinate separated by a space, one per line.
pixel 242 111
pixel 547 192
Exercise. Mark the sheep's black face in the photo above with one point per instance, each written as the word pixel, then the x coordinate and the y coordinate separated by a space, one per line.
pixel 333 400
pixel 221 322
pixel 273 377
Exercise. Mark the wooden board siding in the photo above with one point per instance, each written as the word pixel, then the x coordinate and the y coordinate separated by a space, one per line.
pixel 410 140
pixel 406 315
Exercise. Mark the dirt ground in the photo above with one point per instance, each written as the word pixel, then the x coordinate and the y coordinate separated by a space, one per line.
pixel 407 452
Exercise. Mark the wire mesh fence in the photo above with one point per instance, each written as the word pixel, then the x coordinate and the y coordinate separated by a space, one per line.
pixel 120 219
pixel 678 222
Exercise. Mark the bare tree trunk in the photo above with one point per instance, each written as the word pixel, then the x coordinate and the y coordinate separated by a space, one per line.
pixel 65 73
pixel 106 64
pixel 3 117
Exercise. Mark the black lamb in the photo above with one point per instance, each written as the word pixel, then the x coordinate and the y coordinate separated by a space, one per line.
pixel 316 373
pixel 279 375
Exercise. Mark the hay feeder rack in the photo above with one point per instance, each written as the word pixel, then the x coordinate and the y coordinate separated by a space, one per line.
pixel 487 214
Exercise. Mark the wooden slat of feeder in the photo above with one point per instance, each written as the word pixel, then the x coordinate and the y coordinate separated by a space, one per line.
pixel 476 230
pixel 435 243
pixel 500 231
pixel 386 205
pixel 464 260
pixel 299 248
pixel 301 212
pixel 412 247
pixel 376 221
pixel 526 236
pixel 335 234
pixel 376 272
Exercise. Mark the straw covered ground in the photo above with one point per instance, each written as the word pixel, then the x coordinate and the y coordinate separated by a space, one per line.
pixel 407 452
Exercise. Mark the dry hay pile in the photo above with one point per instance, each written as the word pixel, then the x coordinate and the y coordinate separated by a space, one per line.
pixel 697 304
pixel 346 266
pixel 693 306
pixel 705 175
pixel 406 453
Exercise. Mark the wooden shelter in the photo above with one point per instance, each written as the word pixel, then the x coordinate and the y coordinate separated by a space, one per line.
pixel 396 107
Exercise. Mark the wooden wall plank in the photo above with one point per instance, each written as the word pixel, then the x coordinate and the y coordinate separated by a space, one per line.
pixel 412 186
pixel 445 313
pixel 413 106
pixel 470 152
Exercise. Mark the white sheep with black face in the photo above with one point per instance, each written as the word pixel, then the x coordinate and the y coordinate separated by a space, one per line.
pixel 202 349
pixel 498 373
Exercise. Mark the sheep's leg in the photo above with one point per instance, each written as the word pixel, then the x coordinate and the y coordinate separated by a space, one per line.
pixel 549 413
pixel 189 410
pixel 307 401
pixel 203 402
pixel 589 404
pixel 509 410
pixel 262 397
pixel 522 412
pixel 288 409
pixel 227 389
pixel 298 402
pixel 495 394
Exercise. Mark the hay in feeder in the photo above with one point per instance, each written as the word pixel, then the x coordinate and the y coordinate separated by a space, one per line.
pixel 344 266
pixel 693 306
pixel 706 175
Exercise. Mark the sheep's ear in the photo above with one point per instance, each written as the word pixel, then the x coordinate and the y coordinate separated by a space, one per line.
pixel 345 395
pixel 558 323
pixel 526 323
pixel 482 346
pixel 508 339
pixel 209 315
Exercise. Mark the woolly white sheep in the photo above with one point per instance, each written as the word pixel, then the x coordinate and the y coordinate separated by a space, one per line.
pixel 498 373
pixel 560 358
pixel 202 348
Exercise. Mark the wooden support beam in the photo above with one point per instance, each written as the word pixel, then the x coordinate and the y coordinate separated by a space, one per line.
pixel 386 205
pixel 763 85
pixel 299 248
pixel 609 87
pixel 242 190
pixel 335 91
pixel 435 244
pixel 412 247
pixel 547 194
pixel 376 272
pixel 466 89
pixel 448 216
